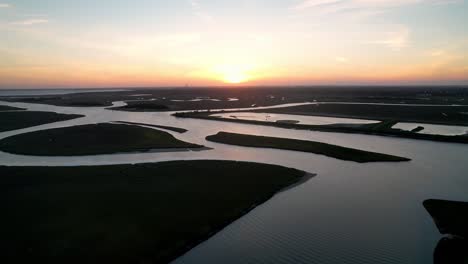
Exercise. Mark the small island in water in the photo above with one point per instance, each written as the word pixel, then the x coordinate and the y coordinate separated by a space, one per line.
pixel 92 139
pixel 329 150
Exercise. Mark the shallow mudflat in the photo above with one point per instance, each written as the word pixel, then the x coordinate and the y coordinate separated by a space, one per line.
pixel 303 145
pixel 146 213
pixel 23 119
pixel 104 138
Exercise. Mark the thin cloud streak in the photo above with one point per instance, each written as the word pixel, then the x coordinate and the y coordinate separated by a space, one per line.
pixel 4 5
pixel 341 5
pixel 395 40
pixel 30 22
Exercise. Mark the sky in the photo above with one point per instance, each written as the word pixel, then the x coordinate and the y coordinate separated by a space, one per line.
pixel 118 43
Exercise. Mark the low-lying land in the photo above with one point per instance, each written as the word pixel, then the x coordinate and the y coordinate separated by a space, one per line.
pixel 451 217
pixel 175 129
pixel 383 128
pixel 23 119
pixel 183 98
pixel 94 139
pixel 146 213
pixel 10 108
pixel 143 106
pixel 329 150
pixel 64 100
pixel 445 115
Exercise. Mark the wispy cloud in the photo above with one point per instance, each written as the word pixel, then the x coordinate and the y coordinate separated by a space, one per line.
pixel 343 5
pixel 396 40
pixel 4 5
pixel 198 11
pixel 30 22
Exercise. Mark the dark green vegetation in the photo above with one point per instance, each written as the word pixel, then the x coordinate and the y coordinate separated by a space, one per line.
pixel 380 129
pixel 329 150
pixel 23 119
pixel 451 217
pixel 175 129
pixel 92 139
pixel 146 213
pixel 159 99
pixel 9 108
pixel 446 115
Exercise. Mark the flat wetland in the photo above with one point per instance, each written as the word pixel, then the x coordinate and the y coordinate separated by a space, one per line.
pixel 180 98
pixel 68 200
pixel 303 145
pixel 23 119
pixel 94 139
pixel 145 213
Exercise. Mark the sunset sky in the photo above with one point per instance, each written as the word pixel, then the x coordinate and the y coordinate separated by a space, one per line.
pixel 122 43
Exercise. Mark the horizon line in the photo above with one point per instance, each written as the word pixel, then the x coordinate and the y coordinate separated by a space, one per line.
pixel 246 86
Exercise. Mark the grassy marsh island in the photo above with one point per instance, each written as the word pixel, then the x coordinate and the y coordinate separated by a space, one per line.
pixel 145 213
pixel 23 119
pixel 9 108
pixel 174 129
pixel 329 150
pixel 93 139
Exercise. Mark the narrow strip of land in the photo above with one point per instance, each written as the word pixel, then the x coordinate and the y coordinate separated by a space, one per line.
pixel 320 148
pixel 22 119
pixel 142 106
pixel 10 108
pixel 144 213
pixel 93 139
pixel 175 129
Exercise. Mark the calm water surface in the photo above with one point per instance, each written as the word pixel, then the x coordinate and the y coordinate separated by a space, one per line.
pixel 349 213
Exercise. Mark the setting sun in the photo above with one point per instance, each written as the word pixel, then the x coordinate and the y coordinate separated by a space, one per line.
pixel 233 74
pixel 235 77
